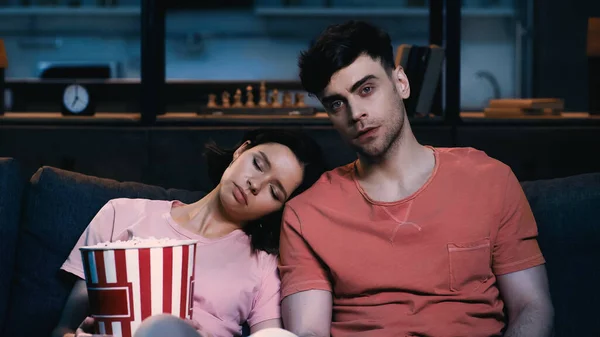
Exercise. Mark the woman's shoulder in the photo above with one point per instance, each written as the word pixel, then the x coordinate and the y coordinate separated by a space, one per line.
pixel 132 204
pixel 266 262
pixel 128 209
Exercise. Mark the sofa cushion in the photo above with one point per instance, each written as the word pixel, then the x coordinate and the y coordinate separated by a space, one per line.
pixel 11 187
pixel 567 211
pixel 59 206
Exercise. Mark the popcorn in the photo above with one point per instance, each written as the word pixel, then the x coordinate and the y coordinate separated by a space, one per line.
pixel 137 242
pixel 130 280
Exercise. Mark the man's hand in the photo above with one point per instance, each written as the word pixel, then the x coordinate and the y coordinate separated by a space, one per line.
pixel 527 297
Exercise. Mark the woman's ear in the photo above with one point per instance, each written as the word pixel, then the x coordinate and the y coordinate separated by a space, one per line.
pixel 241 149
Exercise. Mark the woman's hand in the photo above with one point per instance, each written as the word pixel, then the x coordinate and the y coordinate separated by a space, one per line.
pixel 198 328
pixel 86 329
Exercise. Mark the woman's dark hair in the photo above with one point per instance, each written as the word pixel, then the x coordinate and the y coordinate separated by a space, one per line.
pixel 337 47
pixel 264 232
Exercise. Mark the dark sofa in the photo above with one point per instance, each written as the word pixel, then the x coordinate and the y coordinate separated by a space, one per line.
pixel 41 219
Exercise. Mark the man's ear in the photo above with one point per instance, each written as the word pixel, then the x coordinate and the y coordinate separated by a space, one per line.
pixel 241 149
pixel 401 81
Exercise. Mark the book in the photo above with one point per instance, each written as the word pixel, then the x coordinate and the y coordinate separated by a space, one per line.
pixel 518 112
pixel 422 66
pixel 527 103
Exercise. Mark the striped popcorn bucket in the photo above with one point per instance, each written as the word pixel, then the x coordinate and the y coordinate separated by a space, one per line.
pixel 127 285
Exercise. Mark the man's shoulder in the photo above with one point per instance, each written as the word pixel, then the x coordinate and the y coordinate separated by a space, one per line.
pixel 331 184
pixel 471 161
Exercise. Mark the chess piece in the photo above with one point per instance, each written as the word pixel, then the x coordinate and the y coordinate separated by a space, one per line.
pixel 249 97
pixel 237 99
pixel 212 101
pixel 287 99
pixel 275 99
pixel 225 99
pixel 300 100
pixel 263 95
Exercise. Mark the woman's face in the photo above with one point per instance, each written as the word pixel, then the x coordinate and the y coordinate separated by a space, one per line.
pixel 259 181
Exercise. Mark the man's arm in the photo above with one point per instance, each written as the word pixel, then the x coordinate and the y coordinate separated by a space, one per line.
pixel 306 290
pixel 308 313
pixel 518 264
pixel 527 298
pixel 271 323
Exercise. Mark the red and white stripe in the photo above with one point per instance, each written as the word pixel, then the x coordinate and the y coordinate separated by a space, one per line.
pixel 126 286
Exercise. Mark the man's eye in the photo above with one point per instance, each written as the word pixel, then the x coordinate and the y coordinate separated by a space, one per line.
pixel 367 90
pixel 336 105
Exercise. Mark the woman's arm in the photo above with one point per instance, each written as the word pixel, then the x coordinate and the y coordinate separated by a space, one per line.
pixel 75 310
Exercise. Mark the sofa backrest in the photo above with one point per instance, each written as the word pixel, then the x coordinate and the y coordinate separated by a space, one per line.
pixel 567 211
pixel 59 205
pixel 11 187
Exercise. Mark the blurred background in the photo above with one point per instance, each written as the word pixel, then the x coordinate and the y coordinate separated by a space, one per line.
pixel 151 67
pixel 132 90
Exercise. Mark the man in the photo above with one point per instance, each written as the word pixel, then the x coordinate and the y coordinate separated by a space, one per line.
pixel 408 240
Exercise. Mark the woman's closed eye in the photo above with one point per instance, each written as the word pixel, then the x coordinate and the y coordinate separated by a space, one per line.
pixel 257 165
pixel 275 193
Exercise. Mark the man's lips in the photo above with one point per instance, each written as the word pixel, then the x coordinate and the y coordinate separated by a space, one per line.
pixel 240 195
pixel 366 132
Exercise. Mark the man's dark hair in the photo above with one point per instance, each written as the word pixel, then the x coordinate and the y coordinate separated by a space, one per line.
pixel 337 47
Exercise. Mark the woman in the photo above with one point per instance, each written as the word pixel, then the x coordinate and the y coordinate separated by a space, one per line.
pixel 237 228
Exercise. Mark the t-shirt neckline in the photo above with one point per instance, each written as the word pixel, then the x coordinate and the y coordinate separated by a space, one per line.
pixel 403 200
pixel 190 234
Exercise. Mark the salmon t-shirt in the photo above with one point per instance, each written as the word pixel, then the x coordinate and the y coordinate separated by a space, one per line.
pixel 425 265
pixel 232 285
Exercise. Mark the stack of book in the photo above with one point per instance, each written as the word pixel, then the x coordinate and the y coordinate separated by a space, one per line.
pixel 518 107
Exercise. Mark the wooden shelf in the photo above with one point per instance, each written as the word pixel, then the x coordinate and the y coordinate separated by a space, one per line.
pixel 565 118
pixel 54 118
pixel 179 119
pixel 564 115
pixel 191 118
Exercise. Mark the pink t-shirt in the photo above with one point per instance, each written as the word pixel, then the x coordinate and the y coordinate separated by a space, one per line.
pixel 232 285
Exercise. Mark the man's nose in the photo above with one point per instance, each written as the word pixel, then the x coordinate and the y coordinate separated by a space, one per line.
pixel 357 111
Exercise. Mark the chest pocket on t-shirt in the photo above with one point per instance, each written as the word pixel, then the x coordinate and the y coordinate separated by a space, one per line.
pixel 470 264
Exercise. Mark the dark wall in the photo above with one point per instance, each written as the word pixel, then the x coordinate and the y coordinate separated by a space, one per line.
pixel 537 152
pixel 172 156
pixel 165 156
pixel 560 67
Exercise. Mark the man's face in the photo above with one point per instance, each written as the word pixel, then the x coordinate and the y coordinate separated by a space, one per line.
pixel 364 103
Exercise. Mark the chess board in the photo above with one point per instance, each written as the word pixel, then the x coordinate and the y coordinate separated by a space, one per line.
pixel 274 104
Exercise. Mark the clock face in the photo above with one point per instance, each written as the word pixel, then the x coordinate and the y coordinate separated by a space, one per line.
pixel 76 98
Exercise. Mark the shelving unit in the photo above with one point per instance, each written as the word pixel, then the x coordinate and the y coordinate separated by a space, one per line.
pixel 259 11
pixel 69 11
pixel 374 12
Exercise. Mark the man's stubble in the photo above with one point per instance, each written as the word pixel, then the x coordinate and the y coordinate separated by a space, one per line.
pixel 392 137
